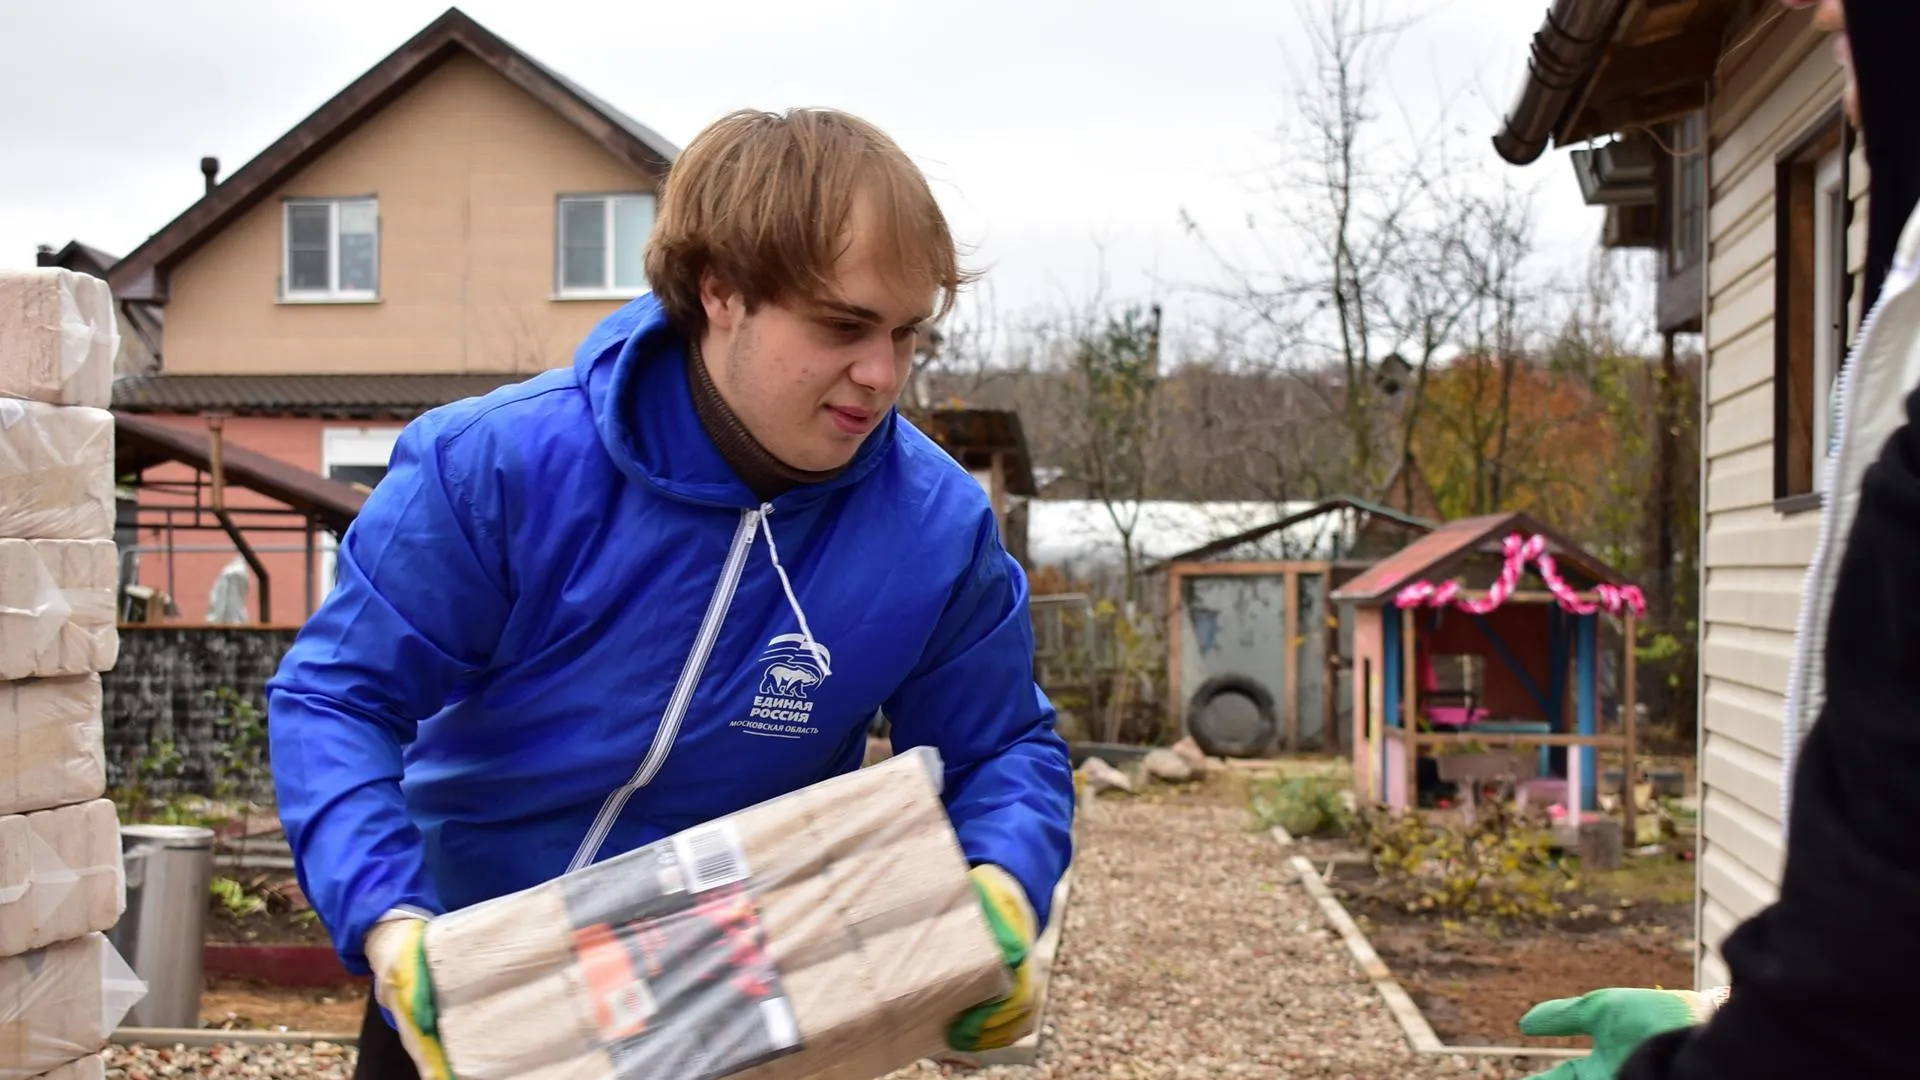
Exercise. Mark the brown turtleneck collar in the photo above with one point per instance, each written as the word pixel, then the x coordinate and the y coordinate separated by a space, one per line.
pixel 765 475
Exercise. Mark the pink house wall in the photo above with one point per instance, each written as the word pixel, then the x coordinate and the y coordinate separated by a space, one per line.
pixel 188 576
pixel 1367 699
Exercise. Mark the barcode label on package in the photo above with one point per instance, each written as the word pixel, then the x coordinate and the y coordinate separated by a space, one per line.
pixel 711 856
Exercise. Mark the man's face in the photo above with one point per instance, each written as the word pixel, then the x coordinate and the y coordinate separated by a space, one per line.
pixel 1831 15
pixel 811 379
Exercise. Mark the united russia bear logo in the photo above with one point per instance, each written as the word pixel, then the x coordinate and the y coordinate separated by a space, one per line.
pixel 793 666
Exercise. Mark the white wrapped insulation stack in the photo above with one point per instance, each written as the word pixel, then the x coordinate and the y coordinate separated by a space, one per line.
pixel 58 337
pixel 61 1003
pixel 57 607
pixel 60 875
pixel 56 471
pixel 52 750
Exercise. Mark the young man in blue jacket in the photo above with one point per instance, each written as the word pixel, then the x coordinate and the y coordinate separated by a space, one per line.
pixel 673 580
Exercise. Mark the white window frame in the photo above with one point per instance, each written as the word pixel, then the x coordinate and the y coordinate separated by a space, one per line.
pixel 333 293
pixel 348 446
pixel 608 291
pixel 1829 299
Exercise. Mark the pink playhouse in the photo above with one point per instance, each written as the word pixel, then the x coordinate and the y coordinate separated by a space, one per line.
pixel 1485 634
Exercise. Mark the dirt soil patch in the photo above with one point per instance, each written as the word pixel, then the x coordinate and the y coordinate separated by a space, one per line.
pixel 1474 981
pixel 1474 989
pixel 232 1004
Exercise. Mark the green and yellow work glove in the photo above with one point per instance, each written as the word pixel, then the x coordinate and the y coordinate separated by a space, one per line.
pixel 1003 1022
pixel 1619 1021
pixel 396 950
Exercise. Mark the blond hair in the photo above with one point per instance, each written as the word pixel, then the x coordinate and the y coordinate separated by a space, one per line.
pixel 764 201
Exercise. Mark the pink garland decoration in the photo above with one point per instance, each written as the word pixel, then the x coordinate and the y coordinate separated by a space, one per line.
pixel 1519 552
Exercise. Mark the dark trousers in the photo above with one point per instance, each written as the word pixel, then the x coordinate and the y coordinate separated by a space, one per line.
pixel 382 1056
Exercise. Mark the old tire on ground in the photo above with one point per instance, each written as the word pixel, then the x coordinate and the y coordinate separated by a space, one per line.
pixel 1232 716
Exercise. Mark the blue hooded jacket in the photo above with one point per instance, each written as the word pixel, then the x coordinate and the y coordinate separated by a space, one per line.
pixel 562 629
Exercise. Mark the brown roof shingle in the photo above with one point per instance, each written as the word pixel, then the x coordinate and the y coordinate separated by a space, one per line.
pixel 383 397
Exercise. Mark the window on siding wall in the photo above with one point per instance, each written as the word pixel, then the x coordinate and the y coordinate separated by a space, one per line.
pixel 602 240
pixel 1811 288
pixel 332 249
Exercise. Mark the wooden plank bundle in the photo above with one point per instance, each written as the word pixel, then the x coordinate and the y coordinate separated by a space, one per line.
pixel 829 934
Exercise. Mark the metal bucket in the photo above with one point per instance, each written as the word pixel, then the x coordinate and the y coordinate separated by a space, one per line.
pixel 169 872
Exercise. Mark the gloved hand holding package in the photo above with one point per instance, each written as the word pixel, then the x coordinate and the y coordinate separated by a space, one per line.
pixel 1000 1023
pixel 396 952
pixel 835 933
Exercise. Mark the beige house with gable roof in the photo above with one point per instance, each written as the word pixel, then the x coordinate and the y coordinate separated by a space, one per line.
pixel 457 218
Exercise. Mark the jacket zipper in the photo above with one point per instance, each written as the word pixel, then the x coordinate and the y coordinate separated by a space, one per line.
pixel 696 664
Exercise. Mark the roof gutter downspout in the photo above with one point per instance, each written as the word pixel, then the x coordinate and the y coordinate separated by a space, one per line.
pixel 1564 53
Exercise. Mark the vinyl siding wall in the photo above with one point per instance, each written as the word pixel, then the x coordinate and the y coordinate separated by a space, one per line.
pixel 1755 556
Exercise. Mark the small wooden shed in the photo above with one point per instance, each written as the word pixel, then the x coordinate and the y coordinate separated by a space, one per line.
pixel 1256 654
pixel 1524 603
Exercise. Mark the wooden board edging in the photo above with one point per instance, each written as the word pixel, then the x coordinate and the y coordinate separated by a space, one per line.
pixel 1420 1034
pixel 201 1037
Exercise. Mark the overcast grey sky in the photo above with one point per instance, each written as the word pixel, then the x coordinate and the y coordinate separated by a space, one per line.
pixel 1055 130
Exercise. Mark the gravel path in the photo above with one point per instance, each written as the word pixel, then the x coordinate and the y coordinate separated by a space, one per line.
pixel 318 1062
pixel 1189 953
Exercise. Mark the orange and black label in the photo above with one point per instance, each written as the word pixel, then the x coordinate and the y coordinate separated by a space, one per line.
pixel 676 979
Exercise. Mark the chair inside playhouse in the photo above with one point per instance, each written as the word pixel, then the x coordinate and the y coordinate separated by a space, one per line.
pixel 1450 695
pixel 1455 707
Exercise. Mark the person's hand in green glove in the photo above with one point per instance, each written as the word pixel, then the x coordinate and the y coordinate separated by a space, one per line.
pixel 396 951
pixel 1619 1021
pixel 1001 1023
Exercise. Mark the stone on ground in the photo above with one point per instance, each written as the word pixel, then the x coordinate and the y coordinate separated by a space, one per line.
pixel 1168 766
pixel 1191 753
pixel 1101 776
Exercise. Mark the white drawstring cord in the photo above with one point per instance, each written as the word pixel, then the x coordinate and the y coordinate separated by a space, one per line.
pixel 806 633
